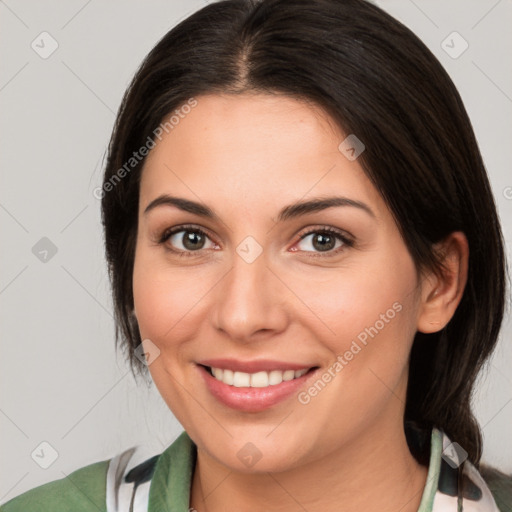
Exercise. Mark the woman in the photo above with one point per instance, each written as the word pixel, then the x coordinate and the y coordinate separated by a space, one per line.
pixel 305 254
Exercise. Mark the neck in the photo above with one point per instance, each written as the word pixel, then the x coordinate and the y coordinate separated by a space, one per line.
pixel 375 472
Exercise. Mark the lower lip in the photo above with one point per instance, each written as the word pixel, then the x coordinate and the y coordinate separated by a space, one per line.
pixel 249 399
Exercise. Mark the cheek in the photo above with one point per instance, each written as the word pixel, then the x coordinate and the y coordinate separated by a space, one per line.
pixel 374 324
pixel 154 304
pixel 163 307
pixel 361 304
pixel 165 297
pixel 370 315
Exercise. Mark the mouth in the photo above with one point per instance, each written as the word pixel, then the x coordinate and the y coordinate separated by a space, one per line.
pixel 261 386
pixel 261 379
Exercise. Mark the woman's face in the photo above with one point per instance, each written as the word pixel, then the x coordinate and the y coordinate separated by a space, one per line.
pixel 253 298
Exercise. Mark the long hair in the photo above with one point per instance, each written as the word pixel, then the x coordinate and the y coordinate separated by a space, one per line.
pixel 376 79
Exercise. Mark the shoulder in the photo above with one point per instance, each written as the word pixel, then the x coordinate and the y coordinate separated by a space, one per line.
pixel 120 483
pixel 82 490
pixel 500 485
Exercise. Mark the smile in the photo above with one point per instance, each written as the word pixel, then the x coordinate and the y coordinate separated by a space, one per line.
pixel 253 386
pixel 260 379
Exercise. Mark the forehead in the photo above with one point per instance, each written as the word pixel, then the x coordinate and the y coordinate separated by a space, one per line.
pixel 259 149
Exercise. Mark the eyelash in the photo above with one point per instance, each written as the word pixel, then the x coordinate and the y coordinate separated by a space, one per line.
pixel 347 242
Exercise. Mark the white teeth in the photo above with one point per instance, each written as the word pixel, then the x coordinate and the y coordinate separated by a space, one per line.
pixel 275 377
pixel 227 377
pixel 217 373
pixel 259 380
pixel 241 380
pixel 288 375
pixel 256 380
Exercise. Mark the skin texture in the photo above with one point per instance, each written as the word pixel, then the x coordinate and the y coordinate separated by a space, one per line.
pixel 246 157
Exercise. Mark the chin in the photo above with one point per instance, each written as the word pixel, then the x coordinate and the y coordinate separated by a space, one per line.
pixel 257 454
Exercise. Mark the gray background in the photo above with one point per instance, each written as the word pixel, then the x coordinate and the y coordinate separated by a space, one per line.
pixel 61 381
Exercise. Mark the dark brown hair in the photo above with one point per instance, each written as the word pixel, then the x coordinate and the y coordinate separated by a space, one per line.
pixel 377 80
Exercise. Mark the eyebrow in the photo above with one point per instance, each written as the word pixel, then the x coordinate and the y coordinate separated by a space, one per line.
pixel 288 212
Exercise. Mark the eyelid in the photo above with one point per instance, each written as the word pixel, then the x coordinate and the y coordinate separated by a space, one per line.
pixel 345 235
pixel 167 233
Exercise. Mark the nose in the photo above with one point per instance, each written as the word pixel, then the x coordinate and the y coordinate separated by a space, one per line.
pixel 250 302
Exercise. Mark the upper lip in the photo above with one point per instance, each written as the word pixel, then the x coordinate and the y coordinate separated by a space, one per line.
pixel 253 366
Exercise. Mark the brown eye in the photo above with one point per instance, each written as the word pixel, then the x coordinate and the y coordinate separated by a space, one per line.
pixel 185 239
pixel 191 240
pixel 325 240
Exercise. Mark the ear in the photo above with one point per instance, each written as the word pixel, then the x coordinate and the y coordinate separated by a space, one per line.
pixel 441 294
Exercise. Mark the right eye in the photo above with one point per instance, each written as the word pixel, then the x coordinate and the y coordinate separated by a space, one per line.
pixel 191 238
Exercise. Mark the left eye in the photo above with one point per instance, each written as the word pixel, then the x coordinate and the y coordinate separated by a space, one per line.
pixel 324 240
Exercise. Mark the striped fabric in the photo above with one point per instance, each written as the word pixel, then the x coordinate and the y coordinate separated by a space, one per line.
pixel 128 485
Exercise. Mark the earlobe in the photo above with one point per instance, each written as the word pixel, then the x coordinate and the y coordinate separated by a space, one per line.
pixel 441 292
